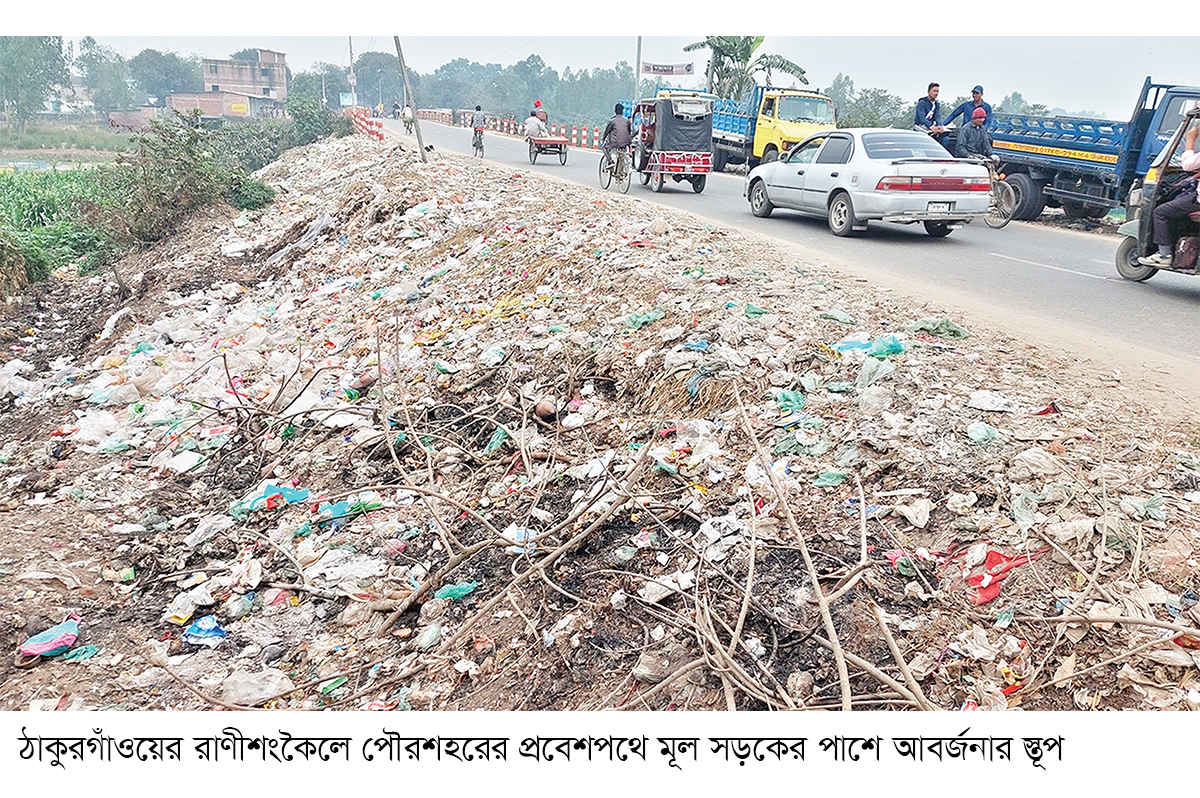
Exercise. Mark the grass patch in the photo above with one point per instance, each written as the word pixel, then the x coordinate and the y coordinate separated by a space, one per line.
pixel 55 136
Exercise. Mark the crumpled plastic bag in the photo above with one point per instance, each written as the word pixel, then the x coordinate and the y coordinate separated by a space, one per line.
pixel 942 328
pixel 1140 510
pixel 53 641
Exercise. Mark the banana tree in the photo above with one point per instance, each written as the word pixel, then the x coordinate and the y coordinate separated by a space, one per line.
pixel 733 68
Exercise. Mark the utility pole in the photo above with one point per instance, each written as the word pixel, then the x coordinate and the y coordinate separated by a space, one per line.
pixel 353 80
pixel 324 101
pixel 412 102
pixel 637 71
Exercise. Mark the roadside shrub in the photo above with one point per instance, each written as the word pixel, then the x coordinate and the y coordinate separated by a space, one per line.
pixel 250 193
pixel 313 121
pixel 254 143
pixel 173 170
pixel 342 126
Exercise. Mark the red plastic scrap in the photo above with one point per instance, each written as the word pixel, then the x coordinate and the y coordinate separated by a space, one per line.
pixel 996 567
pixel 1048 410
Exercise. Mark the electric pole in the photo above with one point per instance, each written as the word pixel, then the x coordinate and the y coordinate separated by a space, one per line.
pixel 637 70
pixel 412 102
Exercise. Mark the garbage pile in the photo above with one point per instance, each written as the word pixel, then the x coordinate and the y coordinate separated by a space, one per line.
pixel 460 437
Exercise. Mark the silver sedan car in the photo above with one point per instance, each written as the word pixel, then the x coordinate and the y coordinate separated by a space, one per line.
pixel 856 175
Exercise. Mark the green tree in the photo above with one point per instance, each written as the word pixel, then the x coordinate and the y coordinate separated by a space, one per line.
pixel 106 76
pixel 841 91
pixel 324 77
pixel 878 108
pixel 249 54
pixel 1012 104
pixel 378 78
pixel 159 74
pixel 31 67
pixel 456 84
pixel 540 80
pixel 733 68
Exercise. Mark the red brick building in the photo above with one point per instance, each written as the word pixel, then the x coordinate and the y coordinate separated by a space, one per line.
pixel 265 78
pixel 225 103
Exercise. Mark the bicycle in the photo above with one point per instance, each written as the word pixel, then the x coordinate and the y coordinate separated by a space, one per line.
pixel 1002 200
pixel 618 169
pixel 477 142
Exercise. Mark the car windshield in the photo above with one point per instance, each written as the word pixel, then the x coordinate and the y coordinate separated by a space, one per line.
pixel 806 109
pixel 889 145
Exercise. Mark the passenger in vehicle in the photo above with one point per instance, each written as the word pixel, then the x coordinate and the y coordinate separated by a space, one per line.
pixel 1186 203
pixel 534 127
pixel 974 141
pixel 929 112
pixel 969 107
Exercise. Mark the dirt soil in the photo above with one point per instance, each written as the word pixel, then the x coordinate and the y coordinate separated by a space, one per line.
pixel 551 408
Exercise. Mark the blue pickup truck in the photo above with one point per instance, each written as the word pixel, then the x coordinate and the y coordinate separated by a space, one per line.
pixel 1086 166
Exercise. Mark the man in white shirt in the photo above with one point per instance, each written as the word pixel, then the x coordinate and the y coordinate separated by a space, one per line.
pixel 534 127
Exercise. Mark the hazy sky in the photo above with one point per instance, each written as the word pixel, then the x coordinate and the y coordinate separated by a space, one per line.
pixel 898 46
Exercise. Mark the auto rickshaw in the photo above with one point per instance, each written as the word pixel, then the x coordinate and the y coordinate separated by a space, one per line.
pixel 673 139
pixel 1164 181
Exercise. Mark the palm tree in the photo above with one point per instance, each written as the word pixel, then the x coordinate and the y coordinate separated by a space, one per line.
pixel 733 69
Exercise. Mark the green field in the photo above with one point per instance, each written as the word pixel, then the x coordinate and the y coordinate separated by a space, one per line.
pixel 41 222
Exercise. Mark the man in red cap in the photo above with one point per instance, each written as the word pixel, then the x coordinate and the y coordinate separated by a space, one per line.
pixel 974 140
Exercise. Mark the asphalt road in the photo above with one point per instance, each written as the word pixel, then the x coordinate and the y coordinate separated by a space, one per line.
pixel 1057 287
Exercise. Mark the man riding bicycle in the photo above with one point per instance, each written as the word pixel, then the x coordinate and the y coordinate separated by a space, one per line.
pixel 618 133
pixel 478 120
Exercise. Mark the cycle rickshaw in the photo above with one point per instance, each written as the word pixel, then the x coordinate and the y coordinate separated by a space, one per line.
pixel 673 139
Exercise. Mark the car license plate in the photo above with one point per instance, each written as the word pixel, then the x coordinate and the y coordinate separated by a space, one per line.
pixel 938 207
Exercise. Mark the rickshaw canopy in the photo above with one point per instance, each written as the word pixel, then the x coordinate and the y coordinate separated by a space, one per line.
pixel 682 122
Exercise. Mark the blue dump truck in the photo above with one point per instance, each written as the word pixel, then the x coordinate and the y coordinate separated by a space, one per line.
pixel 1086 166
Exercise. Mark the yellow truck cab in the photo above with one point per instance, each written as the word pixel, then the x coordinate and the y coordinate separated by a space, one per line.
pixel 769 123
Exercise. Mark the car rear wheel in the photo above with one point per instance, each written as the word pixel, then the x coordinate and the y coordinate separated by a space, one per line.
pixel 841 215
pixel 1030 201
pixel 760 204
pixel 1127 262
pixel 937 229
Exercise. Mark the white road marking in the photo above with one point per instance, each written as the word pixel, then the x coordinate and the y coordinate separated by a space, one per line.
pixel 1048 266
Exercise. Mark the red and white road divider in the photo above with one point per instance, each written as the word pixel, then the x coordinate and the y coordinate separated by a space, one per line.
pixel 363 123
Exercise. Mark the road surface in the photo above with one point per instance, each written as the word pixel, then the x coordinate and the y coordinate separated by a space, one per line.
pixel 1056 288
